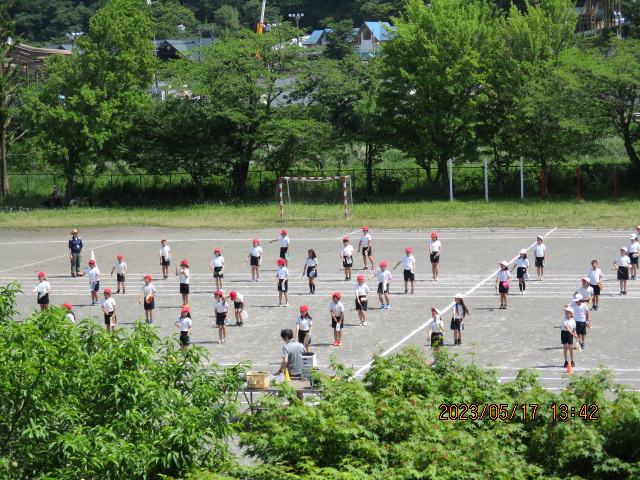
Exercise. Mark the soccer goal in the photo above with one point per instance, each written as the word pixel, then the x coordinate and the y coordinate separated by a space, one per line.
pixel 299 195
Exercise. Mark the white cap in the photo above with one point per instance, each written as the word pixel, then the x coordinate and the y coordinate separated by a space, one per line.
pixel 458 295
pixel 624 248
pixel 568 309
pixel 524 250
pixel 585 279
pixel 577 297
pixel 504 263
pixel 633 236
pixel 540 237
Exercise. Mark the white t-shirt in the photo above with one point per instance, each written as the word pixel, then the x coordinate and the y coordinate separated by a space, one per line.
pixel 435 247
pixel 361 290
pixel 255 251
pixel 595 276
pixel 336 308
pixel 347 251
pixel 568 324
pixel 311 262
pixel 42 287
pixel 284 241
pixel 383 276
pixel 282 273
pixel 218 261
pixel 148 290
pixel 239 298
pixel 585 292
pixel 183 278
pixel 220 307
pixel 522 262
pixel 540 249
pixel 579 311
pixel 71 317
pixel 92 273
pixel 366 240
pixel 623 260
pixel 457 311
pixel 304 323
pixel 633 247
pixel 184 324
pixel 503 275
pixel 109 304
pixel 120 267
pixel 165 252
pixel 409 262
pixel 437 326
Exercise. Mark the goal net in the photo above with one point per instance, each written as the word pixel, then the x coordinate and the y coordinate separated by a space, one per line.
pixel 301 197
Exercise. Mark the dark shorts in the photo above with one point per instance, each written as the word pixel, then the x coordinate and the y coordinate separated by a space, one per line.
pixel 409 276
pixel 623 273
pixel 596 289
pixel 380 288
pixel 566 338
pixel 237 305
pixel 437 340
pixel 120 277
pixel 302 334
pixel 502 288
pixel 456 325
pixel 369 252
pixel 312 272
pixel 220 318
pixel 334 323
pixel 283 285
pixel 165 262
pixel 283 252
pixel 217 272
pixel 434 258
pixel 255 261
pixel 347 262
pixel 149 306
pixel 44 300
pixel 363 302
pixel 107 318
pixel 634 259
pixel 581 328
pixel 96 286
pixel 184 288
pixel 539 261
pixel 520 271
pixel 185 338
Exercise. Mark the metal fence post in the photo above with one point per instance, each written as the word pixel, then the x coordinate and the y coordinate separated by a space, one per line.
pixel 521 178
pixel 486 180
pixel 450 162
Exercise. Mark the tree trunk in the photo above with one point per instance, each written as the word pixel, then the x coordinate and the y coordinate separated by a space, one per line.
pixel 5 188
pixel 240 173
pixel 628 144
pixel 443 172
pixel 369 154
pixel 198 183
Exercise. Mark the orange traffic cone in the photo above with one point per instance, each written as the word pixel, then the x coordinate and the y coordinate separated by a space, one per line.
pixel 569 368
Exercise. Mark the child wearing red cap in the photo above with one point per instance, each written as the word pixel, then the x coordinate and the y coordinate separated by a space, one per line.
pixel 255 258
pixel 93 272
pixel 238 306
pixel 311 269
pixel 362 299
pixel 183 278
pixel 217 267
pixel 185 325
pixel 304 325
pixel 384 279
pixel 109 310
pixel 336 308
pixel 409 263
pixel 69 314
pixel 121 269
pixel 284 246
pixel 346 254
pixel 165 258
pixel 222 315
pixel 282 278
pixel 367 249
pixel 435 249
pixel 148 294
pixel 42 288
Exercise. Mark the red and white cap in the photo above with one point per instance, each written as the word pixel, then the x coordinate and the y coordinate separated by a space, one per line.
pixel 41 274
pixel 435 310
pixel 585 279
pixel 233 294
pixel 281 261
pixel 336 294
pixel 383 264
pixel 107 290
pixel 304 308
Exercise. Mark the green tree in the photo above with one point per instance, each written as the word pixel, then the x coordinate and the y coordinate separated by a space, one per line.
pixel 227 21
pixel 434 80
pixel 166 18
pixel 339 38
pixel 86 102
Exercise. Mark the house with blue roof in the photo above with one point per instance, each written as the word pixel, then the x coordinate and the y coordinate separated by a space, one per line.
pixel 317 38
pixel 370 35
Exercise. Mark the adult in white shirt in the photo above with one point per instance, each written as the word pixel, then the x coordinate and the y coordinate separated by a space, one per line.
pixel 595 282
pixel 367 248
pixel 633 249
pixel 346 254
pixel 435 330
pixel 336 308
pixel 109 310
pixel 362 299
pixel 255 259
pixel 621 264
pixel 502 283
pixel 42 288
pixel 435 249
pixel 409 264
pixel 304 325
pixel 541 257
pixel 582 317
pixel 567 334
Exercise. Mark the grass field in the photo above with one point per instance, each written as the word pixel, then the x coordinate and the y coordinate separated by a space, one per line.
pixel 379 215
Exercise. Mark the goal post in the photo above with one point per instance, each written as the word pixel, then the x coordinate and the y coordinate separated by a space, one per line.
pixel 298 192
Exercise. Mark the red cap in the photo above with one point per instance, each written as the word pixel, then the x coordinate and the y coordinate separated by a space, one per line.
pixel 184 262
pixel 365 228
pixel 163 240
pixel 304 308
pixel 336 294
pixel 232 295
pixel 383 264
pixel 434 234
pixel 218 292
pixel 148 277
pixel 360 277
pixel 281 261
pixel 107 290
pixel 283 231
pixel 92 261
pixel 119 256
pixel 185 309
pixel 217 250
pixel 255 240
pixel 408 249
pixel 67 306
pixel 41 274
pixel 345 239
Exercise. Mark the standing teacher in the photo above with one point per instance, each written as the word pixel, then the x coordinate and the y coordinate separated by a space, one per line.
pixel 75 253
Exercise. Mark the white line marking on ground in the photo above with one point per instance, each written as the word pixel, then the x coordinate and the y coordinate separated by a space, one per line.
pixel 447 308
pixel 345 235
